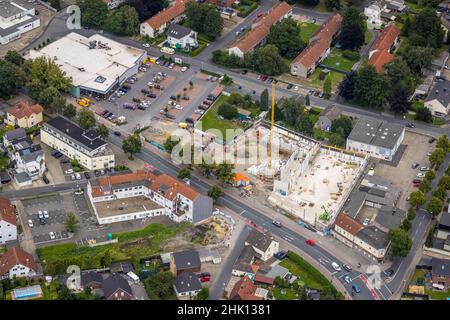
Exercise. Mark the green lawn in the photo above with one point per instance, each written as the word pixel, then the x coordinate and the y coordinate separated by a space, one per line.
pixel 289 295
pixel 336 60
pixel 202 44
pixel 336 78
pixel 4 162
pixel 307 30
pixel 438 295
pixel 210 120
pixel 320 7
pixel 131 245
pixel 303 274
pixel 367 37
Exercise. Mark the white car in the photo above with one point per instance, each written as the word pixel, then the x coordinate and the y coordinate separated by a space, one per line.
pixel 424 169
pixel 40 214
pixel 336 266
pixel 52 235
pixel 30 223
pixel 296 88
pixel 183 69
pixel 178 107
pixel 150 84
pixel 46 216
pixel 146 45
pixel 69 171
pixel 78 176
pixel 198 111
pixel 420 175
pixel 347 279
pixel 72 177
pixel 79 191
pixel 366 221
pixel 171 65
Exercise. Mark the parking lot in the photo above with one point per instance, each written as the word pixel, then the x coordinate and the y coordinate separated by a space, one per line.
pixel 188 88
pixel 57 207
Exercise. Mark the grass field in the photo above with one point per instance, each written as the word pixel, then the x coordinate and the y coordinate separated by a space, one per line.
pixel 336 60
pixel 367 37
pixel 336 78
pixel 307 30
pixel 304 275
pixel 288 295
pixel 210 120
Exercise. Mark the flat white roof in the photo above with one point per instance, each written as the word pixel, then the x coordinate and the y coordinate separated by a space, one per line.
pixel 106 62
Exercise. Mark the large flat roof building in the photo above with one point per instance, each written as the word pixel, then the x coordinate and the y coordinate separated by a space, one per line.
pixel 375 137
pixel 95 64
pixel 16 17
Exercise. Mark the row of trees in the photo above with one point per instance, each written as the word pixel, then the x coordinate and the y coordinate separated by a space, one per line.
pixel 122 21
pixel 204 18
pixel 423 29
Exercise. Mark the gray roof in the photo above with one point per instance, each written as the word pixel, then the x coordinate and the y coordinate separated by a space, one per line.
pixel 187 282
pixel 22 177
pixel 89 139
pixel 259 240
pixel 16 134
pixel 277 271
pixel 445 220
pixel 9 8
pixel 113 283
pixel 331 112
pixel 374 237
pixel 177 31
pixel 440 92
pixel 440 267
pixel 245 259
pixel 14 28
pixel 389 217
pixel 376 132
pixel 122 266
pixel 186 259
pixel 91 277
pixel 357 199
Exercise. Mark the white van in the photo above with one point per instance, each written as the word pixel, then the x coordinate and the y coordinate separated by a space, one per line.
pixel 167 50
pixel 336 266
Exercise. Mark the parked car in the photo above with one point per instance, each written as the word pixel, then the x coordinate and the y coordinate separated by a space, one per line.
pixel 347 279
pixel 146 45
pixel 46 181
pixel 171 65
pixel 57 154
pixel 310 242
pixel 68 171
pixel 431 140
pixel 117 133
pixel 136 99
pixel 145 91
pixel 208 103
pixel 390 272
pixel 185 98
pixel 183 69
pixel 347 267
pixel 97 173
pixel 356 288
pixel 420 175
pixel 151 95
pixel 289 86
pixel 30 223
pixel 170 116
pixel 173 98
pixel 40 214
pixel 79 192
pixel 87 175
pixel 415 165
pixel 78 176
pixel 189 120
pixel 42 221
pixel 424 168
pixel 276 223
pixel 202 107
pixel 129 105
pixel 45 213
pixel 52 235
pixel 366 221
pixel 410 125
pixel 336 266
pixel 281 255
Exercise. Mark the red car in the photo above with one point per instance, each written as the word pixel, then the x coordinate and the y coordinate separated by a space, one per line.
pixel 310 242
pixel 264 78
pixel 205 279
pixel 260 15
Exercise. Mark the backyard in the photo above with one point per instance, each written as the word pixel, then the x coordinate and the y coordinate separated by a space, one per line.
pixel 419 278
pixel 307 29
pixel 338 61
pixel 131 245
pixel 316 82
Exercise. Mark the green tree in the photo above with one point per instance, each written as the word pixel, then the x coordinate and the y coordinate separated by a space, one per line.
pixel 418 58
pixel 228 111
pixel 86 118
pixel 343 123
pixel 327 86
pixel 437 157
pixel 132 144
pixel 203 294
pixel 399 99
pixel 267 60
pixel 204 18
pixel 426 30
pixel 435 206
pixel 14 57
pixel 443 143
pixel 425 186
pixel 106 259
pixel 445 182
pixel 400 74
pixel 347 86
pixel 417 199
pixel 411 213
pixel 224 172
pixel 103 131
pixel 215 193
pixel 170 143
pixel 440 193
pixel 160 286
pixel 56 4
pixel 406 225
pixel 371 89
pixel 72 222
pixel 264 100
pixel 207 167
pixel 353 29
pixel 423 114
pixel 400 242
pixel 307 100
pixel 123 21
pixel 184 173
pixel 286 37
pixel 69 110
pixel 332 4
pixel 93 13
pixel 430 175
pixel 52 100
pixel 12 78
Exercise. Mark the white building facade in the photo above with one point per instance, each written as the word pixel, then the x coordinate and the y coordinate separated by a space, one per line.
pixel 16 18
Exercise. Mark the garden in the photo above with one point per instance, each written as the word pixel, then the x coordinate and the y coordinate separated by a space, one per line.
pixel 341 59
pixel 307 29
pixel 245 7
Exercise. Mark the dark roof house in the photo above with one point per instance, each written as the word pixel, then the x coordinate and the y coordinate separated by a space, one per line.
pixel 187 283
pixel 185 261
pixel 115 287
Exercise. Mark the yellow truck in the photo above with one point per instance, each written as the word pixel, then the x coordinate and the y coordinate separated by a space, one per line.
pixel 85 102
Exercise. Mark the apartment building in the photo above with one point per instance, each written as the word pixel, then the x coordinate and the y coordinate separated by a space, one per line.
pixel 8 221
pixel 16 263
pixel 86 146
pixel 158 24
pixel 145 194
pixel 381 51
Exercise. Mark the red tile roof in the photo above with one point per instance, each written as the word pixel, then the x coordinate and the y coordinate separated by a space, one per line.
pixel 244 289
pixel 348 223
pixel 263 279
pixel 257 34
pixel 23 109
pixel 7 212
pixel 174 185
pixel 380 54
pixel 319 42
pixel 167 14
pixel 15 256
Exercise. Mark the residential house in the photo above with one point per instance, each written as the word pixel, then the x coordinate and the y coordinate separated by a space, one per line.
pixel 318 47
pixel 264 245
pixel 260 30
pixel 438 100
pixel 8 221
pixel 181 37
pixel 185 261
pixel 386 43
pixel 16 18
pixel 157 24
pixel 346 228
pixel 222 3
pixel 28 158
pixel 112 4
pixel 85 146
pixel 440 272
pixel 373 16
pixel 144 194
pixel 379 139
pixel 389 218
pixel 244 263
pixel 115 287
pixel 92 280
pixel 187 284
pixel 23 115
pixel 327 116
pixel 244 289
pixel 17 263
pixel 443 231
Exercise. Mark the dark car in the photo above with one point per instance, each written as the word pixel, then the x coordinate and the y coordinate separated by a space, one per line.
pixel 117 133
pixel 151 95
pixel 104 113
pixel 145 91
pixel 189 120
pixel 281 255
pixel 415 165
pixel 208 103
pixel 97 173
pixel 45 179
pixel 57 154
pixel 136 99
pixel 173 98
pixel 244 72
pixel 42 221
pixel 202 107
pixel 390 272
pixel 431 140
pixel 87 175
pixel 170 116
pixel 64 161
pixel 205 274
pixel 410 125
pixel 289 86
